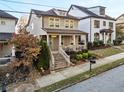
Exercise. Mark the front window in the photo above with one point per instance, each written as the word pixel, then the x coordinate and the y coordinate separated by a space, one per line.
pixel 96 24
pixel 3 23
pixel 54 22
pixel 111 25
pixel 104 23
pixel 66 23
pixel 57 22
pixel 71 23
pixel 51 22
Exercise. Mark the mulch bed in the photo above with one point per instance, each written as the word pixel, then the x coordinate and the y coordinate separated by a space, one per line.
pixel 100 47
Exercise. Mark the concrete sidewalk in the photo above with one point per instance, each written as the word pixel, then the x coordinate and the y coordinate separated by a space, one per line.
pixel 72 71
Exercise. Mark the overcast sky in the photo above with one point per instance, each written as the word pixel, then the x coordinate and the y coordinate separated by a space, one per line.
pixel 114 8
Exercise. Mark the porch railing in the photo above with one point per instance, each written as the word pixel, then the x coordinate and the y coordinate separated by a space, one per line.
pixel 52 63
pixel 74 47
pixel 63 53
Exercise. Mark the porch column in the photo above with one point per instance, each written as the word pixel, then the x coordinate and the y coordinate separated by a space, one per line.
pixel 74 41
pixel 48 40
pixel 13 51
pixel 104 38
pixel 60 40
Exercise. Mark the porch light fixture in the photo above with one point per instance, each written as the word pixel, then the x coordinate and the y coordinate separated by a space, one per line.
pixel 53 36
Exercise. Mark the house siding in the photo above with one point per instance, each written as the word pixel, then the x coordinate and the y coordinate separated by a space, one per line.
pixel 9 26
pixel 62 22
pixel 35 25
pixel 76 12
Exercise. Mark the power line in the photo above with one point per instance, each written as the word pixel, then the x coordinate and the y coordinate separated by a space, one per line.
pixel 8 6
pixel 17 12
pixel 18 2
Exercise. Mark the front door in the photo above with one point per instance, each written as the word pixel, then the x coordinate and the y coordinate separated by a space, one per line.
pixel 54 43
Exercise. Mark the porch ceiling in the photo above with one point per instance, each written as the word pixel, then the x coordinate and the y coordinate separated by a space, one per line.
pixel 64 31
pixel 106 31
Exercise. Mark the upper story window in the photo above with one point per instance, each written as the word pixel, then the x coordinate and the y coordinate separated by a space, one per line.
pixel 71 24
pixel 96 24
pixel 104 23
pixel 54 22
pixel 51 22
pixel 57 21
pixel 3 22
pixel 111 25
pixel 66 23
pixel 102 11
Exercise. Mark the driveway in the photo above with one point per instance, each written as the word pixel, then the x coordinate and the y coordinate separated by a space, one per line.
pixel 110 81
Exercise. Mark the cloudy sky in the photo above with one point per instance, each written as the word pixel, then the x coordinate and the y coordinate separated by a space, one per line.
pixel 114 8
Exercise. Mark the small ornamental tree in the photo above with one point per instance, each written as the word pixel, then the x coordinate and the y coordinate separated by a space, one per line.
pixel 28 45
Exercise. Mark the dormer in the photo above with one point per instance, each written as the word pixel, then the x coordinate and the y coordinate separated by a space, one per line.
pixel 60 12
pixel 99 10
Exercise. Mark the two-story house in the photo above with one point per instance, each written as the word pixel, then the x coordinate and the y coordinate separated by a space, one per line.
pixel 95 22
pixel 7 28
pixel 60 30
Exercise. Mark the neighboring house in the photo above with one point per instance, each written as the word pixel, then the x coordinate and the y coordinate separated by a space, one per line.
pixel 7 28
pixel 120 22
pixel 22 22
pixel 95 22
pixel 58 28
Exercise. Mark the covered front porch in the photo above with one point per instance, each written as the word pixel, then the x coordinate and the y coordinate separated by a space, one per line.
pixel 105 35
pixel 66 41
pixel 74 40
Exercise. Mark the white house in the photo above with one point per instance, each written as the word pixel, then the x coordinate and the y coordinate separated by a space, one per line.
pixel 95 22
pixel 7 28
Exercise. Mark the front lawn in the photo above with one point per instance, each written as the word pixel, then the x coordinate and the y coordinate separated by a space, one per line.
pixel 105 52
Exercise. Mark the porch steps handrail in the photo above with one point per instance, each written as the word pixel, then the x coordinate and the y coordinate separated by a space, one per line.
pixel 63 53
pixel 52 63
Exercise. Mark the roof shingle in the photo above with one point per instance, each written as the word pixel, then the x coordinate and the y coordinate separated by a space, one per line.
pixel 6 15
pixel 64 31
pixel 91 14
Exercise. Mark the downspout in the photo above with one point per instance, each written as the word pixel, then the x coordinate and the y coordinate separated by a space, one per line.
pixel 90 28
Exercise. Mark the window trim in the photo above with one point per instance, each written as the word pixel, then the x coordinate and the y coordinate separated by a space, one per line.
pixel 112 25
pixel 104 24
pixel 96 26
pixel 2 22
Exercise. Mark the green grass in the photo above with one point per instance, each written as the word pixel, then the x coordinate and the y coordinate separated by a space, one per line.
pixel 81 77
pixel 105 52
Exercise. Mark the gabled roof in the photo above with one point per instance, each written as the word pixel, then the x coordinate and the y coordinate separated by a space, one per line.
pixel 119 16
pixel 6 15
pixel 51 12
pixel 90 13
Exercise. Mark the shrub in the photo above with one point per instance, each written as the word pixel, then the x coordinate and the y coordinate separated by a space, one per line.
pixel 90 45
pixel 79 56
pixel 44 56
pixel 117 41
pixel 101 42
pixel 85 55
pixel 96 43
